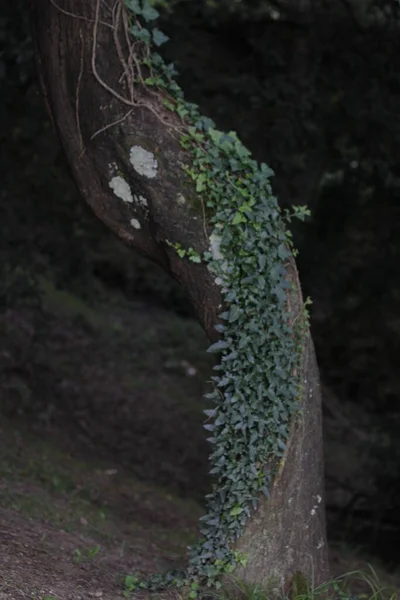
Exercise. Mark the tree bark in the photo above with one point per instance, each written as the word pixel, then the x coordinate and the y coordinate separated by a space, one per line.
pixel 80 67
pixel 287 533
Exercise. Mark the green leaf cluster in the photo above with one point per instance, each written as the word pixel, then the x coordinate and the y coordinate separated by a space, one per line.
pixel 255 388
pixel 143 10
pixel 189 253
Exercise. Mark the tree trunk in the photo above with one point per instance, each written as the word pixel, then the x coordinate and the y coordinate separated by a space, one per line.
pixel 287 533
pixel 146 199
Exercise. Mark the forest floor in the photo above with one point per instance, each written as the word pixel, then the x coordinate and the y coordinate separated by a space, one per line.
pixel 103 461
pixel 74 529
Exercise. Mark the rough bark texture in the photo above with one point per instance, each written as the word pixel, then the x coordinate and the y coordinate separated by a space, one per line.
pixel 80 107
pixel 287 533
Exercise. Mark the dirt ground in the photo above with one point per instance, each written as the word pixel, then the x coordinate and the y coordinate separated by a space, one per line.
pixel 103 460
pixel 73 529
pixel 102 455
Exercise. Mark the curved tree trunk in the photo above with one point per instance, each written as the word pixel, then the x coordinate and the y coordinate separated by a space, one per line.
pixel 150 202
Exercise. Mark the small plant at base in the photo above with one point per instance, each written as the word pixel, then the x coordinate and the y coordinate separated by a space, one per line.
pixel 131 583
pixel 339 588
pixel 88 554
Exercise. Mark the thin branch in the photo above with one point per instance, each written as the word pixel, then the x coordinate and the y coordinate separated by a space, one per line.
pixel 94 68
pixel 128 72
pixel 112 124
pixel 75 16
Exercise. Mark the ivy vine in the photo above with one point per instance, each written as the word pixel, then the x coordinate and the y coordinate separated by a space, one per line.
pixel 255 389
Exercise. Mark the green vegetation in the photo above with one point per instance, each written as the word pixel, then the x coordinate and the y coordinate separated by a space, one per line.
pixel 85 554
pixel 356 172
pixel 355 585
pixel 249 251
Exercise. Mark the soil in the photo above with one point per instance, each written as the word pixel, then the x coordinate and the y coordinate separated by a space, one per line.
pixel 74 529
pixel 102 454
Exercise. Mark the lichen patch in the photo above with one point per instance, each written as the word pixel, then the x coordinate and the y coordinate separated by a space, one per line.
pixel 143 162
pixel 141 200
pixel 215 247
pixel 135 223
pixel 121 188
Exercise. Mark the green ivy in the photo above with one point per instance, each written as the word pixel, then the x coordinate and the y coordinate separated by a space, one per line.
pixel 255 390
pixel 189 253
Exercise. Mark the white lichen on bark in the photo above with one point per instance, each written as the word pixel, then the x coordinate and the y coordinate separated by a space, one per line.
pixel 143 162
pixel 217 255
pixel 135 223
pixel 141 200
pixel 121 188
pixel 215 247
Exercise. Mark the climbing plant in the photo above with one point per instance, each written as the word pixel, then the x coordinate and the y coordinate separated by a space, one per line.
pixel 255 386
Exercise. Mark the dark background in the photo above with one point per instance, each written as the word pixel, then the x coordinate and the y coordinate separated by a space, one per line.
pixel 316 95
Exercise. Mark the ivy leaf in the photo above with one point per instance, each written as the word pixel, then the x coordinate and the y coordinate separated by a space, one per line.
pixel 134 6
pixel 238 218
pixel 254 437
pixel 159 37
pixel 218 346
pixel 141 34
pixel 236 510
pixel 283 252
pixel 210 412
pixel 149 13
pixel 280 294
pixel 266 171
pixel 281 444
pixel 215 136
pixel 182 112
pixel 265 491
pixel 200 181
pixel 220 421
pixel 207 123
pixel 234 164
pixel 234 313
pixel 212 395
pixel 242 151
